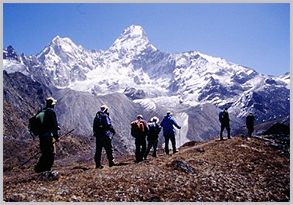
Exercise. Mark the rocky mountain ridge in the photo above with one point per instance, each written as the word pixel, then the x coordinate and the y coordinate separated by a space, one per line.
pixel 194 86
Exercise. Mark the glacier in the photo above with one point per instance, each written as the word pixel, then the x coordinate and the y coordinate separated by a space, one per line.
pixel 156 80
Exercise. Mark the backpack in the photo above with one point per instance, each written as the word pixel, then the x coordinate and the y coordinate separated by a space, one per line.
pixel 137 128
pixel 36 122
pixel 100 122
pixel 224 117
pixel 152 129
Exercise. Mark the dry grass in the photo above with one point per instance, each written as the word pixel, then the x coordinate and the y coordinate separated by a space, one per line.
pixel 230 170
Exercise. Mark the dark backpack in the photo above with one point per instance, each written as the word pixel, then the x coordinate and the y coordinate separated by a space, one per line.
pixel 137 128
pixel 36 123
pixel 100 122
pixel 224 117
pixel 152 129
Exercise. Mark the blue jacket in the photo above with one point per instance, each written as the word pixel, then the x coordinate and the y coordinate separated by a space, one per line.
pixel 167 124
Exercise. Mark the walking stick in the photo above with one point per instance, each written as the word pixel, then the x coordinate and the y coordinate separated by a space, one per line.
pixel 45 148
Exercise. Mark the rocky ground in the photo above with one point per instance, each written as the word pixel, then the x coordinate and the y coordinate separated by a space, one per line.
pixel 238 170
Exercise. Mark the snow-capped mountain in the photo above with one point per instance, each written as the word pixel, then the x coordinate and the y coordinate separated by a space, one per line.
pixel 156 80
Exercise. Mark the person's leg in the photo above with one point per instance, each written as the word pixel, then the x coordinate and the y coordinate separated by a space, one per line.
pixel 167 144
pixel 47 159
pixel 148 149
pixel 109 151
pixel 250 130
pixel 137 150
pixel 221 132
pixel 228 131
pixel 98 154
pixel 143 148
pixel 155 144
pixel 50 161
pixel 173 143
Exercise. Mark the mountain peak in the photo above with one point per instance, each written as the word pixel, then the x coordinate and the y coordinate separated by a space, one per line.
pixel 62 41
pixel 61 47
pixel 10 53
pixel 134 31
pixel 132 38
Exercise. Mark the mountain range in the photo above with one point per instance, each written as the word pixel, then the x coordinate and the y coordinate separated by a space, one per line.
pixel 133 77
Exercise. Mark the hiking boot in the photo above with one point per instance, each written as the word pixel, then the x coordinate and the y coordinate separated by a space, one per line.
pixel 137 161
pixel 99 167
pixel 111 164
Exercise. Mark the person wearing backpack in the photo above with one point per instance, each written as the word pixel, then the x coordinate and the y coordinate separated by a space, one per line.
pixel 139 130
pixel 225 123
pixel 153 135
pixel 102 129
pixel 168 124
pixel 48 133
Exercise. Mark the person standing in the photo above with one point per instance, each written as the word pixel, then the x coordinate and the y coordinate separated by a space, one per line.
pixel 153 135
pixel 250 124
pixel 102 129
pixel 49 133
pixel 225 123
pixel 168 124
pixel 139 130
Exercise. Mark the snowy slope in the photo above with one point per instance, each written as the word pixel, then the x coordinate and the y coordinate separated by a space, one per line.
pixel 156 80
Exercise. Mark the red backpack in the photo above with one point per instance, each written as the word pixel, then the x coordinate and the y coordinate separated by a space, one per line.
pixel 137 128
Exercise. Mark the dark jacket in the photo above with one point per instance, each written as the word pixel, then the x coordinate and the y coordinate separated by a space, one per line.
pixel 102 125
pixel 224 117
pixel 50 124
pixel 168 124
pixel 154 130
pixel 250 121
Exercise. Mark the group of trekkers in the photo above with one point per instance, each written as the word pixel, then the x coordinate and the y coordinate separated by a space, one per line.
pixel 141 130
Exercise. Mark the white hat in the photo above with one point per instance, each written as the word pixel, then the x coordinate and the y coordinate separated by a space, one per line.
pixel 139 117
pixel 104 107
pixel 51 101
pixel 155 119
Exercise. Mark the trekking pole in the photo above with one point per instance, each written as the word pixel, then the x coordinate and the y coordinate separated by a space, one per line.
pixel 180 138
pixel 45 148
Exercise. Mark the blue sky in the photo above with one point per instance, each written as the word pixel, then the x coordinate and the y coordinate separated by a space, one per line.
pixel 252 35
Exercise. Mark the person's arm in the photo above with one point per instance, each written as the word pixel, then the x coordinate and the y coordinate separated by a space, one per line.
pixel 175 123
pixel 110 126
pixel 54 125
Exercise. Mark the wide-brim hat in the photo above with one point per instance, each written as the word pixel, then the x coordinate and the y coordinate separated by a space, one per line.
pixel 139 117
pixel 51 101
pixel 104 107
pixel 169 112
pixel 156 119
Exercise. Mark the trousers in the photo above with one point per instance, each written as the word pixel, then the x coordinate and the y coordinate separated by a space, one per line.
pixel 46 161
pixel 172 138
pixel 140 148
pixel 103 141
pixel 223 126
pixel 151 144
